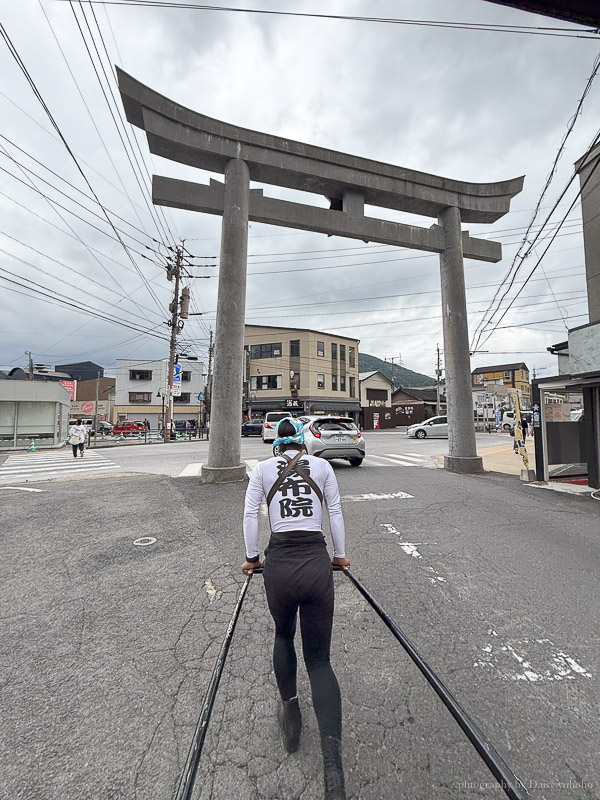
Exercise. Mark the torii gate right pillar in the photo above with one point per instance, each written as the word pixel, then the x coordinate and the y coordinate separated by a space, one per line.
pixel 462 447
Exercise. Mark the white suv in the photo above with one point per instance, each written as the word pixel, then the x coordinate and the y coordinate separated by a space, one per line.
pixel 270 424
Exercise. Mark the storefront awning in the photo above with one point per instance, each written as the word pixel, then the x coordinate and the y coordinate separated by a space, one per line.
pixel 334 405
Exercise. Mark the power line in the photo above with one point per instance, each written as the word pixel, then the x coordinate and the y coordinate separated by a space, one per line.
pixel 538 262
pixel 578 33
pixel 13 51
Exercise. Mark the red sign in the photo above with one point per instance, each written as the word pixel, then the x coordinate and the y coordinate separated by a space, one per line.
pixel 87 407
pixel 70 387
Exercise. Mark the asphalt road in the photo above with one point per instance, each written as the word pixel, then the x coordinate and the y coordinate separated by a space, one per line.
pixel 106 647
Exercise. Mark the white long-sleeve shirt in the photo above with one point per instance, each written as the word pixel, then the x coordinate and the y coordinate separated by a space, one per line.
pixel 295 506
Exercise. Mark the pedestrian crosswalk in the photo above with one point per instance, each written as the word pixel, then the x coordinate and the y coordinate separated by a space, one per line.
pixel 26 467
pixel 403 460
pixel 387 460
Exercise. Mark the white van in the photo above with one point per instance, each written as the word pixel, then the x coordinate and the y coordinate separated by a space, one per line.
pixel 270 423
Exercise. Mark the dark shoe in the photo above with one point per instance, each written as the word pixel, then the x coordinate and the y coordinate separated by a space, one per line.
pixel 333 769
pixel 290 723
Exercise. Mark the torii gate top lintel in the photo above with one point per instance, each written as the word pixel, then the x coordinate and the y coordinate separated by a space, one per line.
pixel 183 135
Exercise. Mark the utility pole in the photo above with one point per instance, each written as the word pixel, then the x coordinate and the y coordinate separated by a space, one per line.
pixel 173 272
pixel 438 373
pixel 30 364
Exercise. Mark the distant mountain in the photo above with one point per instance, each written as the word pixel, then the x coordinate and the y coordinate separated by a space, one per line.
pixel 400 376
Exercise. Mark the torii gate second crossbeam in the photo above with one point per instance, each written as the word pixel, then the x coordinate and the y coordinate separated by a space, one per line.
pixel 349 183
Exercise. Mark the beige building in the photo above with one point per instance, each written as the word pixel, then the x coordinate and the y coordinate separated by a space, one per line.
pixel 375 401
pixel 300 370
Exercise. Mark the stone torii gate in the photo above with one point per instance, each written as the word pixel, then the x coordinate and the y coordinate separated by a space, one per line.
pixel 349 182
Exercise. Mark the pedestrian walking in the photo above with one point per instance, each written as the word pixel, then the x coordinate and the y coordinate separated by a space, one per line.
pixel 298 576
pixel 524 427
pixel 77 435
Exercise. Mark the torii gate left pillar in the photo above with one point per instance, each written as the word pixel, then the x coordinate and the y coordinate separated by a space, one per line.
pixel 349 183
pixel 224 447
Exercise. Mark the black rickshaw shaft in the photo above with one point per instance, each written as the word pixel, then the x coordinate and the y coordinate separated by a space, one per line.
pixel 186 783
pixel 508 781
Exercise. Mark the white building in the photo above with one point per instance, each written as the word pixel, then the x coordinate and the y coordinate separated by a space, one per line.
pixel 140 390
pixel 35 410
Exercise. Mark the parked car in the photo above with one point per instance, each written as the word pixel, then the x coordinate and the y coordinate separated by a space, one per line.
pixel 252 427
pixel 435 428
pixel 332 437
pixel 127 427
pixel 270 423
pixel 576 415
pixel 105 427
pixel 507 420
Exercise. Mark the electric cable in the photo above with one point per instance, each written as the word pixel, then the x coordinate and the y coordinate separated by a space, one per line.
pixel 577 33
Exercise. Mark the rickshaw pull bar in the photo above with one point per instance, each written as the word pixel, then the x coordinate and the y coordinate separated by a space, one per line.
pixel 188 776
pixel 512 786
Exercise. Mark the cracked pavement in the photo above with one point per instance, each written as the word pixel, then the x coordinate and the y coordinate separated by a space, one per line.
pixel 106 648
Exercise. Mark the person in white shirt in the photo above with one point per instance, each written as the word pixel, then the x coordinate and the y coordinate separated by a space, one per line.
pixel 77 434
pixel 298 576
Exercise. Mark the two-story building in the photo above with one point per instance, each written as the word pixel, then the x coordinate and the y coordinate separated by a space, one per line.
pixel 300 370
pixel 375 401
pixel 140 391
pixel 511 376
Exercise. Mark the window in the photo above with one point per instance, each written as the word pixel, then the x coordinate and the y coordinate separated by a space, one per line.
pixel 506 375
pixel 140 397
pixel 321 349
pixel 320 381
pixel 265 382
pixel 333 351
pixel 352 358
pixel 295 381
pixel 352 381
pixel 342 380
pixel 439 421
pixel 184 397
pixel 334 383
pixel 265 350
pixel 140 374
pixel 342 352
pixel 186 376
pixel 294 347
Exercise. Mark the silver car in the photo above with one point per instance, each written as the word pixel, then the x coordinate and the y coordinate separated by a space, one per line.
pixel 436 427
pixel 334 437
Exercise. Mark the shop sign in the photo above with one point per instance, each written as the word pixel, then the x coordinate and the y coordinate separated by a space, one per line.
pixel 71 387
pixel 293 404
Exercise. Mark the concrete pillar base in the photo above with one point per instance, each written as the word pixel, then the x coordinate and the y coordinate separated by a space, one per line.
pixel 528 475
pixel 466 465
pixel 223 474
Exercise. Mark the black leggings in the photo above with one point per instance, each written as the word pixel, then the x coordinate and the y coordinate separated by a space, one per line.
pixel 77 447
pixel 298 575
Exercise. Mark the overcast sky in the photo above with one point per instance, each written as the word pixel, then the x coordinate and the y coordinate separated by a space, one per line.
pixel 472 105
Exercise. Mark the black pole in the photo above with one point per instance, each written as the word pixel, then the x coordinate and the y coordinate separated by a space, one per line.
pixel 512 786
pixel 188 776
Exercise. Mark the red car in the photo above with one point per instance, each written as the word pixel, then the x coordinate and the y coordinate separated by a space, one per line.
pixel 127 427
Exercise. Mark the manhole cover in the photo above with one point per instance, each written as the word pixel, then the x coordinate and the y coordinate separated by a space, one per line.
pixel 144 541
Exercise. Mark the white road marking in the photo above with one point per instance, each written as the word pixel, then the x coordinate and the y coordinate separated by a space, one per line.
pixel 211 590
pixel 387 460
pixel 407 457
pixel 410 548
pixel 44 466
pixel 21 489
pixel 502 657
pixel 192 470
pixel 362 498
